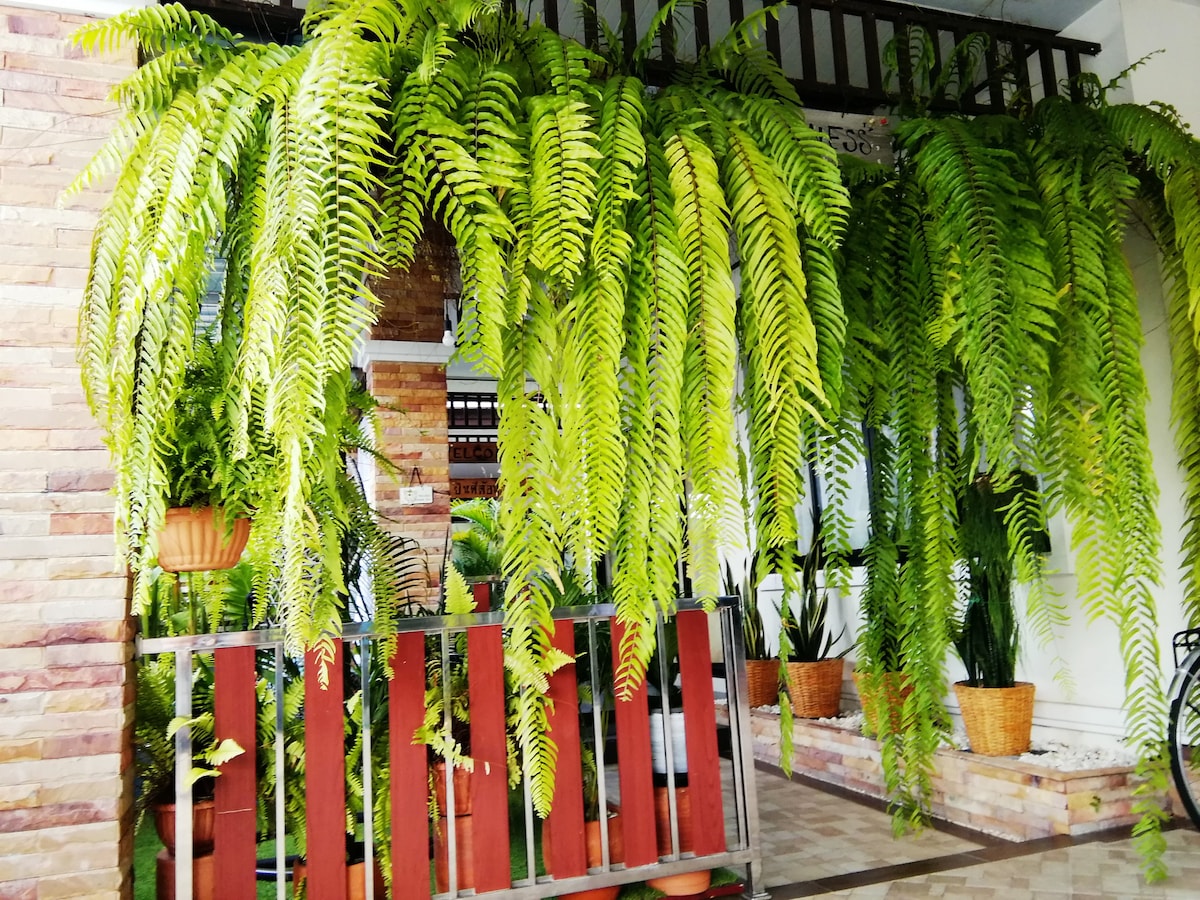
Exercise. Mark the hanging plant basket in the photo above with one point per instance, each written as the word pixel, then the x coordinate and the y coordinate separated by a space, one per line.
pixel 197 540
pixel 998 720
pixel 816 688
pixel 762 682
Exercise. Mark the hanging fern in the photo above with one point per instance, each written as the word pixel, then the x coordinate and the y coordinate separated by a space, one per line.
pixel 623 250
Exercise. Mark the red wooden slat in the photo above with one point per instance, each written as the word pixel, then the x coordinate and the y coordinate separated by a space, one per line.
pixel 234 707
pixel 489 783
pixel 700 724
pixel 563 834
pixel 325 778
pixel 481 593
pixel 406 712
pixel 634 768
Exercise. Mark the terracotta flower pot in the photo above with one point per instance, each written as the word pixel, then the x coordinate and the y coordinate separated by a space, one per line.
pixel 689 882
pixel 196 540
pixel 816 688
pixel 356 880
pixel 464 835
pixel 685 885
pixel 998 720
pixel 204 818
pixel 616 854
pixel 462 789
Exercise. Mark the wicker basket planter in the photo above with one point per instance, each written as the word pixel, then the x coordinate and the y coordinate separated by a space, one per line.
pixel 762 682
pixel 998 720
pixel 878 693
pixel 196 540
pixel 816 688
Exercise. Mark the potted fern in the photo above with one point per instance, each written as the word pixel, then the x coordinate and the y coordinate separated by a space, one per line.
pixel 209 490
pixel 997 709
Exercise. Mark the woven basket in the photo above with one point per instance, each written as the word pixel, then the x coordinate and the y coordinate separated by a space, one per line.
pixel 998 720
pixel 195 540
pixel 878 693
pixel 816 688
pixel 762 682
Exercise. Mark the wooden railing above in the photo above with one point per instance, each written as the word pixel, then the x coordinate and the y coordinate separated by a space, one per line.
pixel 831 49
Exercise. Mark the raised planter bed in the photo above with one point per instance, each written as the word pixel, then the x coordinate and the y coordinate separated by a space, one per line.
pixel 1002 796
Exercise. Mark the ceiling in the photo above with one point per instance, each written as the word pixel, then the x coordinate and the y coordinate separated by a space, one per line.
pixel 1052 14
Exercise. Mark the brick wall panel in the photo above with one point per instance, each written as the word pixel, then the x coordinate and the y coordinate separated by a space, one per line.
pixel 65 686
pixel 415 439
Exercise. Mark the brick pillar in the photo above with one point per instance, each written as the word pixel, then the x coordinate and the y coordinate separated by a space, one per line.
pixel 406 369
pixel 415 440
pixel 65 686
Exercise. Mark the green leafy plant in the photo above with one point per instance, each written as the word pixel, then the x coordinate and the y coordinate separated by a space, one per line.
pixel 987 638
pixel 478 550
pixel 972 304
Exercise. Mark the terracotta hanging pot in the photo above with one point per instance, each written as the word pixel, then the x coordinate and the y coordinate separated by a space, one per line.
pixel 197 540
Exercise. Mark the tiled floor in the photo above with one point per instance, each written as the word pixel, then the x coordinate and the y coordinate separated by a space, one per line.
pixel 820 843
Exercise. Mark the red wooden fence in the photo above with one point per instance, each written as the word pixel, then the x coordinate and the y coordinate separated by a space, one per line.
pixel 325 765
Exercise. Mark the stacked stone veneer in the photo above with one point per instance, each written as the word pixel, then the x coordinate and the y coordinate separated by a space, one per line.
pixel 1000 796
pixel 65 691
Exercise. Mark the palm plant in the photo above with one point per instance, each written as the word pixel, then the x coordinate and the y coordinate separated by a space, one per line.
pixel 478 550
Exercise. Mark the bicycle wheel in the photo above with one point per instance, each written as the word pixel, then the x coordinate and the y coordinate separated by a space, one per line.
pixel 1185 740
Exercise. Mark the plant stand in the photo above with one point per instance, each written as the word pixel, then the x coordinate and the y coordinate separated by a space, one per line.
pixel 464 835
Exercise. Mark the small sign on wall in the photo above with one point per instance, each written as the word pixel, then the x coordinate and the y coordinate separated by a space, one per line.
pixel 470 488
pixel 416 495
pixel 867 137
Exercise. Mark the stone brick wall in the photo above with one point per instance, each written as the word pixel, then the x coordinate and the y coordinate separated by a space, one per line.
pixel 413 299
pixel 65 691
pixel 1003 796
pixel 415 440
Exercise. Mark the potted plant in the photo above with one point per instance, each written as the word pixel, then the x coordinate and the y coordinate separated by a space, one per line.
pixel 814 671
pixel 206 525
pixel 671 730
pixel 477 551
pixel 154 744
pixel 762 668
pixel 592 826
pixel 997 709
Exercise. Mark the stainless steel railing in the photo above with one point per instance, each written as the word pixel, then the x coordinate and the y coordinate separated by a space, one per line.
pixel 738 794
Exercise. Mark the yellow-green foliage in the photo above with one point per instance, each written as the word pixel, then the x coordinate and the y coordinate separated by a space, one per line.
pixel 629 251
